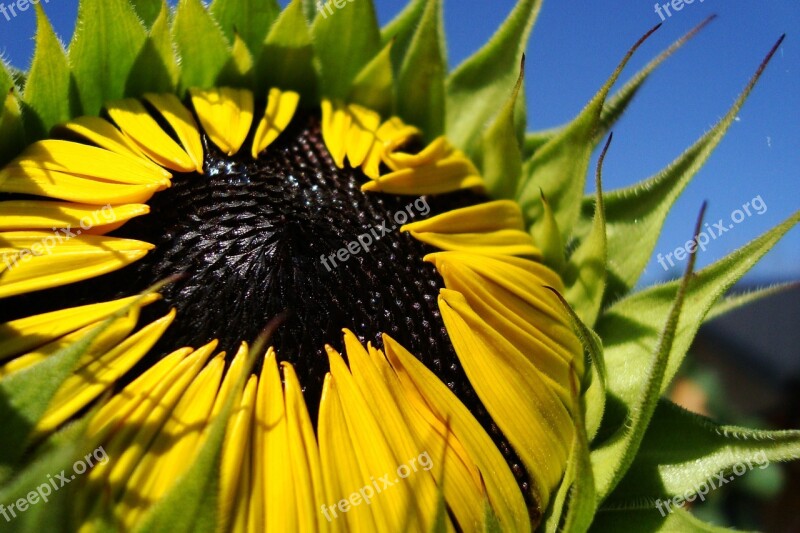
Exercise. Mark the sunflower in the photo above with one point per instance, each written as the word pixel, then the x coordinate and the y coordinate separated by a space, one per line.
pixel 270 270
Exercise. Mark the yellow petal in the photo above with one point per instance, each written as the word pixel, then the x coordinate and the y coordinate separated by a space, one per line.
pixel 19 336
pixel 278 506
pixel 226 115
pixel 132 118
pixel 522 403
pixel 89 162
pixel 133 434
pixel 182 122
pixel 281 107
pixel 102 133
pixel 450 174
pixel 174 447
pixel 34 214
pixel 397 432
pixel 303 456
pixel 335 128
pixel 235 467
pixel 342 472
pixel 65 186
pixel 88 382
pixel 36 260
pixel 501 486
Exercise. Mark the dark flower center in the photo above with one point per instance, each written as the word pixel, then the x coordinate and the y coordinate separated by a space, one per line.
pixel 290 234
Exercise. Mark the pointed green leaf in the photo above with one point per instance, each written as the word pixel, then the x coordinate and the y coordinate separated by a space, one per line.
pixel 649 520
pixel 613 457
pixel 48 82
pixel 500 154
pixel 345 40
pixel 287 57
pixel 477 88
pixel 616 106
pixel 202 47
pixel 6 79
pixel 684 454
pixel 310 8
pixel 635 215
pixel 547 236
pixel 594 389
pixel 12 130
pixel 25 396
pixel 156 68
pixel 58 454
pixel 559 167
pixel 420 83
pixel 148 10
pixel 574 504
pixel 733 302
pixel 239 70
pixel 585 272
pixel 251 19
pixel 630 328
pixel 374 85
pixel 401 29
pixel 107 41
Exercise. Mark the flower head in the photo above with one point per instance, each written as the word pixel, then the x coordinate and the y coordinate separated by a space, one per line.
pixel 294 276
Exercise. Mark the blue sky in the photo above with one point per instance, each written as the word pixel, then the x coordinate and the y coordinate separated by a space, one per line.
pixel 576 45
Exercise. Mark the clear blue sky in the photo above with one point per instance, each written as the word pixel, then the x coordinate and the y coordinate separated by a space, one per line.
pixel 575 46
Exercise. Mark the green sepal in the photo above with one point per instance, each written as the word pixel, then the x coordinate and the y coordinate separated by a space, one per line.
pixel 250 19
pixel 6 78
pixel 612 458
pixel 477 88
pixel 345 42
pixel 202 46
pixel 547 236
pixel 58 453
pixel 147 10
pixel 585 273
pixel 49 75
pixel 630 328
pixel 560 166
pixel 647 519
pixel 501 153
pixel 401 30
pixel 593 390
pixel 421 81
pixel 156 68
pixel 108 38
pixel 286 60
pixel 733 302
pixel 25 396
pixel 374 86
pixel 239 70
pixel 12 130
pixel 618 103
pixel 636 214
pixel 575 501
pixel 683 453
